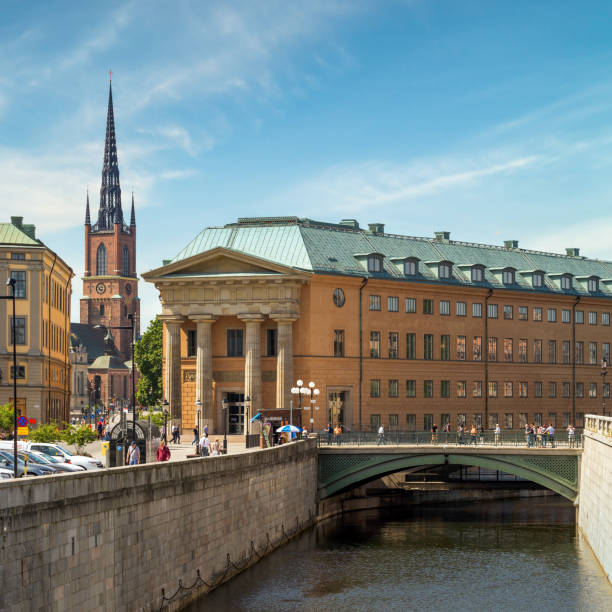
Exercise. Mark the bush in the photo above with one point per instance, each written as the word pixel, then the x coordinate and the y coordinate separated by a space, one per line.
pixel 46 433
pixel 79 436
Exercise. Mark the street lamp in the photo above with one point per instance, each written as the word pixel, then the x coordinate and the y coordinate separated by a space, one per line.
pixel 11 282
pixel 299 390
pixel 247 406
pixel 198 405
pixel 604 372
pixel 314 394
pixel 224 408
pixel 165 404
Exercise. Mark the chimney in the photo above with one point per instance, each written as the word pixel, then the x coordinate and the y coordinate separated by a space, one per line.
pixel 572 252
pixel 511 244
pixel 442 236
pixel 376 228
pixel 165 262
pixel 28 229
pixel 352 223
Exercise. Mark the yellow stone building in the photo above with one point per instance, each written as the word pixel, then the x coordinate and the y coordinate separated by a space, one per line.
pixel 43 290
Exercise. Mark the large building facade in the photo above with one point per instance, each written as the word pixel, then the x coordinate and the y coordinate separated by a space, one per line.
pixel 43 290
pixel 393 330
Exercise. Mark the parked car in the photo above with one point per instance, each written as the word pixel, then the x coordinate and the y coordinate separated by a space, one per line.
pixel 34 469
pixel 56 464
pixel 6 473
pixel 63 454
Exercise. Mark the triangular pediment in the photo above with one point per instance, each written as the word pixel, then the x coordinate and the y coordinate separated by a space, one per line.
pixel 222 262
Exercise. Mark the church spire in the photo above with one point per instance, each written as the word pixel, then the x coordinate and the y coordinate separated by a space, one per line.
pixel 132 214
pixel 110 191
pixel 87 218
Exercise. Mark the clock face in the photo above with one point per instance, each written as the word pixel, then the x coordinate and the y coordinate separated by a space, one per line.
pixel 339 298
pixel 100 288
pixel 128 288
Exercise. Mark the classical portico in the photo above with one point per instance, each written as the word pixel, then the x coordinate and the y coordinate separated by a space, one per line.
pixel 212 292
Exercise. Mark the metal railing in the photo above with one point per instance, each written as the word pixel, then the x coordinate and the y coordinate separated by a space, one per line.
pixel 507 438
pixel 252 440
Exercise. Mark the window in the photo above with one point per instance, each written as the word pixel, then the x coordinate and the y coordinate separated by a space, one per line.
pixel 428 388
pixel 375 387
pixel 126 261
pixel 552 351
pixel 101 261
pixel 393 421
pixel 411 422
pixel 565 316
pixel 579 317
pixel 508 312
pixel 522 350
pixel 20 335
pixel 444 347
pixel 552 315
pixel 566 419
pixel 393 345
pixel 537 313
pixel 508 349
pixel 492 388
pixel 537 418
pixel 461 418
pixel 537 351
pixel 19 276
pixel 374 263
pixel 593 353
pixel 523 313
pixel 592 318
pixel 375 302
pixel 427 422
pixel 338 343
pixel 477 388
pixel 592 390
pixel 605 318
pixel 234 343
pixel 565 351
pixel 392 303
pixel 605 390
pixel 444 270
pixel 593 285
pixel 461 388
pixel 605 352
pixel 374 422
pixel 375 344
pixel 508 389
pixel 565 389
pixel 445 388
pixel 460 310
pixel 272 340
pixel 411 267
pixel 17 255
pixel 410 304
pixel 537 388
pixel 492 349
pixel 444 419
pixel 411 388
pixel 410 346
pixel 191 343
pixel 20 372
pixel 477 348
pixel 537 280
pixel 492 311
pixel 579 389
pixel 476 310
pixel 393 388
pixel 477 274
pixel 552 389
pixel 428 307
pixel 566 282
pixel 523 419
pixel 580 353
pixel 508 420
pixel 461 348
pixel 444 307
pixel 508 277
pixel 552 418
pixel 428 346
pixel 580 420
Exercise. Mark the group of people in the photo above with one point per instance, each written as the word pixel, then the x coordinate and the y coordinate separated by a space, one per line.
pixel 540 435
pixel 205 447
pixel 334 432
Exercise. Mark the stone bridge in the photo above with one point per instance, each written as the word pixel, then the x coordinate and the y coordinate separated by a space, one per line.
pixel 343 467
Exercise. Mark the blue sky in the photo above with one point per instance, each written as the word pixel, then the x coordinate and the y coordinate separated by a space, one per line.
pixel 492 120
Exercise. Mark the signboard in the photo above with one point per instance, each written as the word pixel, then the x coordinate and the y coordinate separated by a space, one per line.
pixel 22 431
pixel 22 421
pixel 32 421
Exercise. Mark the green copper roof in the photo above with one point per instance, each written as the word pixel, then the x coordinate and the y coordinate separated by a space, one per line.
pixel 11 234
pixel 329 248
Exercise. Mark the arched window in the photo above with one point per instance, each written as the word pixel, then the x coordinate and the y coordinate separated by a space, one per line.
pixel 101 310
pixel 101 261
pixel 126 261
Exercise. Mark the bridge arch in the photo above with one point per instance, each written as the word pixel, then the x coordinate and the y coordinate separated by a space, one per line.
pixel 339 472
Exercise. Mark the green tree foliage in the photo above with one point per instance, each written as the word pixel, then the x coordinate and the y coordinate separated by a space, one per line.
pixel 148 357
pixel 6 418
pixel 79 436
pixel 48 432
pixel 157 417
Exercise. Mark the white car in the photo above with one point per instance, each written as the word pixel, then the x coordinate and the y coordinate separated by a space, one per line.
pixel 4 473
pixel 63 454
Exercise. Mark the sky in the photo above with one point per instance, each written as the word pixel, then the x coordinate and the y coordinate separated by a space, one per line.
pixel 491 120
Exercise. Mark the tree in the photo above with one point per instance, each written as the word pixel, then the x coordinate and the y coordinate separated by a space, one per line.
pixel 148 357
pixel 48 432
pixel 157 418
pixel 6 418
pixel 79 436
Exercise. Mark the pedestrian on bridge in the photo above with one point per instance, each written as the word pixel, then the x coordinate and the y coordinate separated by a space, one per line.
pixel 330 432
pixel 474 435
pixel 381 435
pixel 204 446
pixel 497 433
pixel 133 456
pixel 551 435
pixel 571 436
pixel 461 433
pixel 338 434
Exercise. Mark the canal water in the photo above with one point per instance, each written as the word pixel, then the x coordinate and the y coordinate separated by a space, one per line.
pixel 504 555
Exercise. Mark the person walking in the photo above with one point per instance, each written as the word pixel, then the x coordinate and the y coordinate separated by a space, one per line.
pixel 473 435
pixel 338 434
pixel 163 434
pixel 196 439
pixel 330 432
pixel 551 435
pixel 497 433
pixel 571 436
pixel 176 438
pixel 204 446
pixel 434 434
pixel 461 433
pixel 215 448
pixel 163 452
pixel 133 455
pixel 381 435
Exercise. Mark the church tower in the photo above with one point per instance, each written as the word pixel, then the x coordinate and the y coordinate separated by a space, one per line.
pixel 110 282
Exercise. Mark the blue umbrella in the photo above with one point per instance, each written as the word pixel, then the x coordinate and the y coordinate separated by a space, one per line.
pixel 289 429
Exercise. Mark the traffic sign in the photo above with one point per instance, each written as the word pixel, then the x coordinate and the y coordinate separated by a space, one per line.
pixel 22 431
pixel 22 421
pixel 32 421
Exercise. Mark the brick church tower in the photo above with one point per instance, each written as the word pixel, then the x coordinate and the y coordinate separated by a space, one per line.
pixel 110 282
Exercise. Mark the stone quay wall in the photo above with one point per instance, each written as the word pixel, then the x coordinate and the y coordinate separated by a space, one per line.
pixel 113 539
pixel 595 511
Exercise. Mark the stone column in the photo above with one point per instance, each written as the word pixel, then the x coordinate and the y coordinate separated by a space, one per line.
pixel 172 374
pixel 204 372
pixel 284 360
pixel 252 362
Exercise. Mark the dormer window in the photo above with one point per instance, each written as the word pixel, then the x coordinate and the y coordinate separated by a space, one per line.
pixel 411 267
pixel 477 274
pixel 444 270
pixel 374 263
pixel 593 285
pixel 508 276
pixel 537 280
pixel 566 282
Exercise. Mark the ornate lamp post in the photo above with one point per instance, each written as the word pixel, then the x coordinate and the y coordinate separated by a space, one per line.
pixel 300 390
pixel 224 408
pixel 314 394
pixel 11 282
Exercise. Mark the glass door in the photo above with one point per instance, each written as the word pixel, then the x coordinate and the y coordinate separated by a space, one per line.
pixel 235 413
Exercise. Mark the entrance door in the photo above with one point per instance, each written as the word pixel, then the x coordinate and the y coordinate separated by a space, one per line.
pixel 335 411
pixel 235 413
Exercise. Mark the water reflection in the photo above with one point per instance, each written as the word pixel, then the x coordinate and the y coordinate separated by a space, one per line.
pixel 503 555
